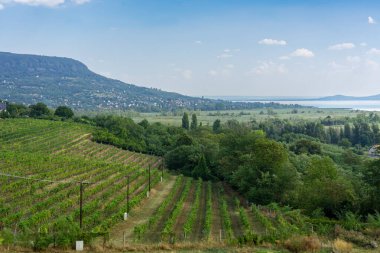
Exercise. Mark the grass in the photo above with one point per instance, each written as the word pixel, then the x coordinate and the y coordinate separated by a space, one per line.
pixel 208 117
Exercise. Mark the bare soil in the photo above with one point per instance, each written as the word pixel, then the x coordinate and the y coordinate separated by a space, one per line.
pixel 141 214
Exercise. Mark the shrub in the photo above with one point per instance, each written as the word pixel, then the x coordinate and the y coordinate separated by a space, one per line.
pixel 298 244
pixel 341 246
pixel 352 221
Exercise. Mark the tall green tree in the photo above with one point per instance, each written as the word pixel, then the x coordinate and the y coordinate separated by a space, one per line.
pixel 201 170
pixel 185 121
pixel 64 112
pixel 39 110
pixel 325 187
pixel 216 127
pixel 194 122
pixel 372 178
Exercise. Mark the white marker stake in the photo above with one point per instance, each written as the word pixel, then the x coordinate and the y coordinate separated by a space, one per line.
pixel 79 246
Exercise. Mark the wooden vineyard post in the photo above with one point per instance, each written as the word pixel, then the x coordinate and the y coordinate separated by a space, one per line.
pixel 149 177
pixel 148 192
pixel 128 195
pixel 162 170
pixel 220 235
pixel 81 205
pixel 81 185
pixel 127 213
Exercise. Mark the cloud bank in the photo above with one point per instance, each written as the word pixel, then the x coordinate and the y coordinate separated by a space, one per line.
pixel 342 46
pixel 302 52
pixel 371 20
pixel 45 3
pixel 272 42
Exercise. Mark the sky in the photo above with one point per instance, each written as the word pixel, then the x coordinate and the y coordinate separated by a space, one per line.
pixel 208 47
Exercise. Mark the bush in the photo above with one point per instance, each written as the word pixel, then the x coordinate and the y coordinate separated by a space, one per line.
pixel 341 246
pixel 298 244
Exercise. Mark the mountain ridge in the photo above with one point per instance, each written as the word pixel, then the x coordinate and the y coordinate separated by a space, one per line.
pixel 347 98
pixel 28 79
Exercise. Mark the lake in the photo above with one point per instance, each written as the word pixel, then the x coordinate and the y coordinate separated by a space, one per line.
pixel 365 105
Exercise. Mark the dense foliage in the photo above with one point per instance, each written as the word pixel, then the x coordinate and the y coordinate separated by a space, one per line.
pixel 291 163
pixel 317 166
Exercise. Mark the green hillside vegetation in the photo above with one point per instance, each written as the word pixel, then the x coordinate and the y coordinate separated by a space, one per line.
pixel 29 79
pixel 289 184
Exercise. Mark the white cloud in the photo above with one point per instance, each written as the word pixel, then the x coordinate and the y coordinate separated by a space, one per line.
pixel 302 52
pixel 224 55
pixel 80 1
pixel 198 42
pixel 371 20
pixel 363 44
pixel 187 74
pixel 374 51
pixel 272 42
pixel 342 46
pixel 269 67
pixel 230 66
pixel 46 3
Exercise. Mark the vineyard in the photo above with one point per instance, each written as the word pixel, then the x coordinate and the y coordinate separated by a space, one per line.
pixel 44 165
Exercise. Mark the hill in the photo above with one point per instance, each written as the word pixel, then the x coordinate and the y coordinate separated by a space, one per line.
pixel 347 98
pixel 29 79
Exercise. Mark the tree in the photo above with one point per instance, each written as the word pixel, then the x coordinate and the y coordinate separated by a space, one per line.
pixel 325 187
pixel 216 127
pixel 306 146
pixel 64 112
pixel 201 170
pixel 144 123
pixel 14 111
pixel 194 122
pixel 372 177
pixel 347 131
pixel 39 110
pixel 185 121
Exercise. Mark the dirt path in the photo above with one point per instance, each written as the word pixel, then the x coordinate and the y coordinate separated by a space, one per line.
pixel 154 235
pixel 142 213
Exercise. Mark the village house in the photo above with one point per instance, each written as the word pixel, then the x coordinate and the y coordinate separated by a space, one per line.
pixel 374 151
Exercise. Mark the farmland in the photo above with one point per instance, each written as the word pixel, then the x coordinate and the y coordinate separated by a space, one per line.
pixel 180 209
pixel 47 167
pixel 208 117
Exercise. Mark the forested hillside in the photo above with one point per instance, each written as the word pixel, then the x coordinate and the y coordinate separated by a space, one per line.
pixel 29 79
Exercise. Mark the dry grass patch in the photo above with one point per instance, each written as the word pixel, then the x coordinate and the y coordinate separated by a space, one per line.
pixel 341 246
pixel 298 244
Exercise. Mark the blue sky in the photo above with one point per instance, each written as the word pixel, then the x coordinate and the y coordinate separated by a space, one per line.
pixel 208 47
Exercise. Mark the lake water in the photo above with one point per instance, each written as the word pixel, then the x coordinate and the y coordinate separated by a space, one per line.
pixel 365 105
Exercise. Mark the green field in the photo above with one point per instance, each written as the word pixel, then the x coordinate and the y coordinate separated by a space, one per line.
pixel 208 117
